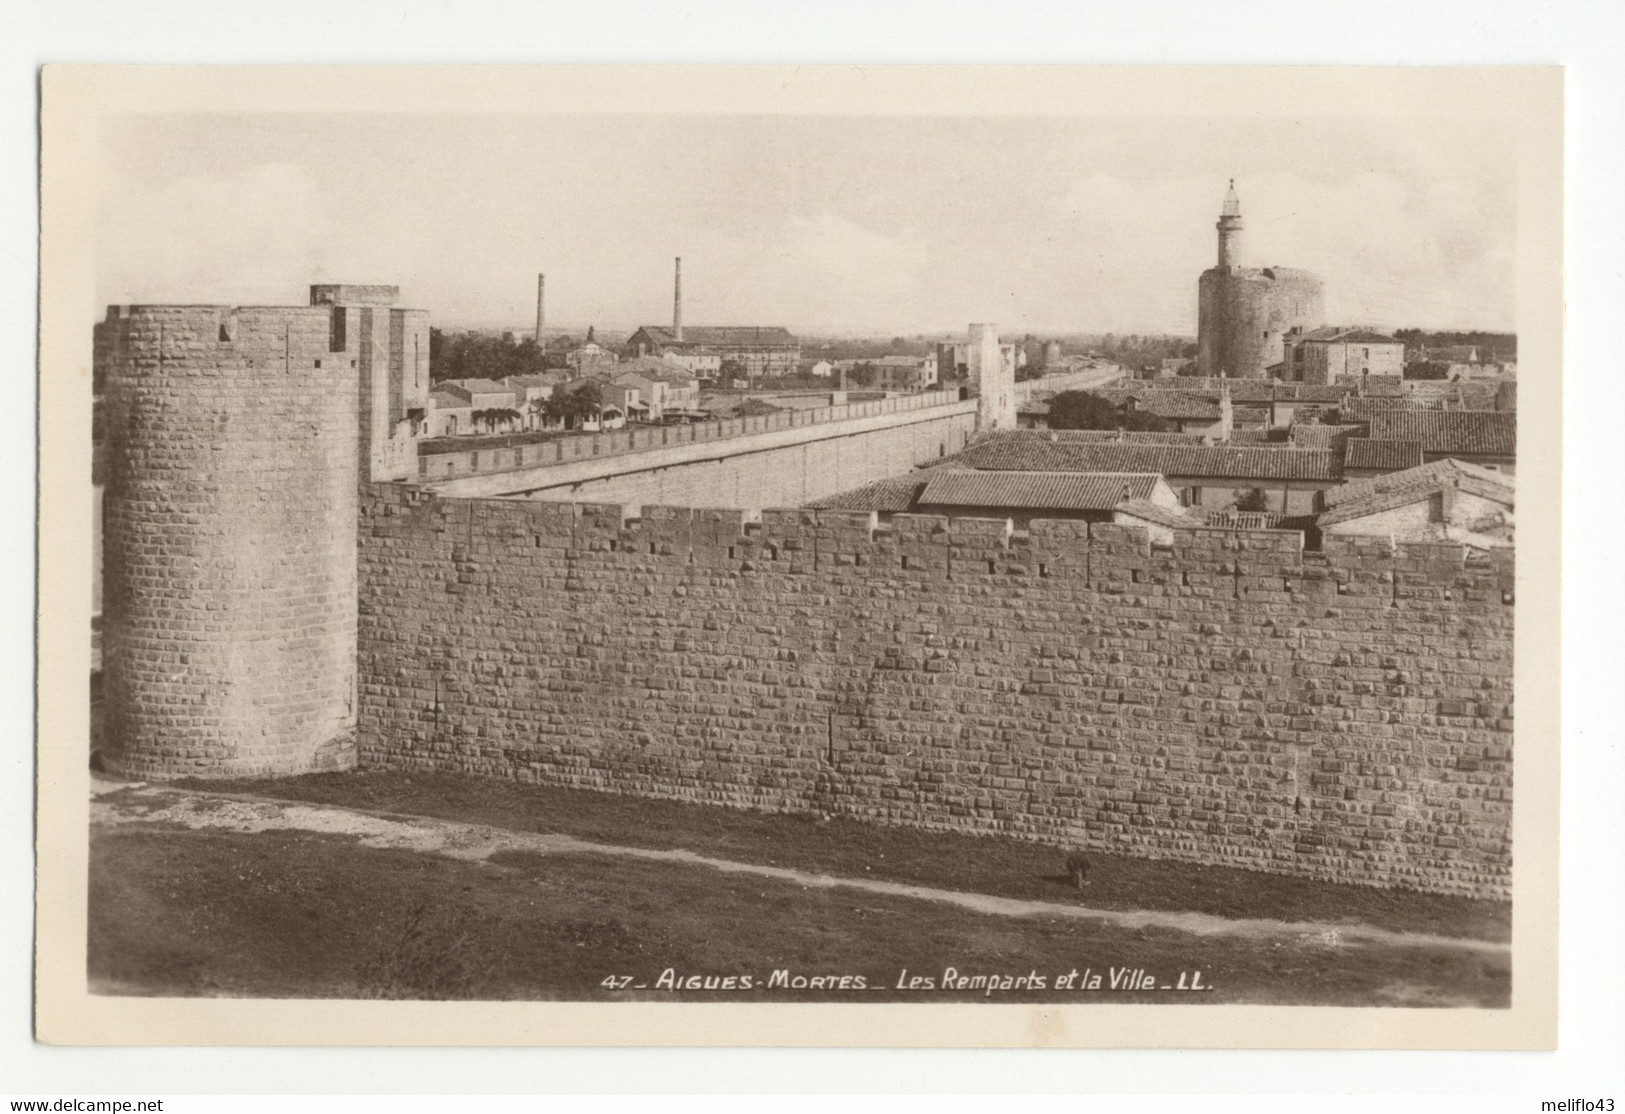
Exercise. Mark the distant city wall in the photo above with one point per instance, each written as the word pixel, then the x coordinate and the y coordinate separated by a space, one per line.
pixel 1230 700
pixel 1066 381
pixel 776 460
pixel 439 467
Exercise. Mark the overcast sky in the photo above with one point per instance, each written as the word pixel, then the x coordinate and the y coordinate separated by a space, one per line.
pixel 821 224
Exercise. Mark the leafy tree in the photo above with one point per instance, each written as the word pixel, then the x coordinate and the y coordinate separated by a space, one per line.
pixel 1492 347
pixel 1087 410
pixel 496 416
pixel 575 406
pixel 1254 500
pixel 863 375
pixel 472 356
pixel 1426 369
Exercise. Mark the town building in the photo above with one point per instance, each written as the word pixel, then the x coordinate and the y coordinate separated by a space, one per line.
pixel 1244 314
pixel 531 393
pixel 1446 501
pixel 1336 355
pixel 1023 496
pixel 905 373
pixel 1217 477
pixel 1364 457
pixel 450 414
pixel 585 359
pixel 761 351
pixel 702 365
pixel 1488 438
pixel 480 394
pixel 662 386
pixel 617 403
pixel 954 358
pixel 957 492
pixel 1187 413
pixel 1158 521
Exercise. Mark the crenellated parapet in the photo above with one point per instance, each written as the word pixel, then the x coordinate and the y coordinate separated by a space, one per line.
pixel 1229 698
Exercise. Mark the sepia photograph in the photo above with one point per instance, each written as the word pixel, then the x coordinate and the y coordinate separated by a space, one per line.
pixel 770 541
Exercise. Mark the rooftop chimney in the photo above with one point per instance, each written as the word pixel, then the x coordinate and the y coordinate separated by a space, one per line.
pixel 677 303
pixel 541 316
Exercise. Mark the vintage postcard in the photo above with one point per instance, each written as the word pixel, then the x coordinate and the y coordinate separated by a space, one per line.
pixel 800 556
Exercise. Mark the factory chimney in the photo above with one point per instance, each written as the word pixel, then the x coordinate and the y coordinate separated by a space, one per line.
pixel 541 315
pixel 677 303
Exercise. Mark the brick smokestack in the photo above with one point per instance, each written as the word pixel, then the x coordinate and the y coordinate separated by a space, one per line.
pixel 677 303
pixel 541 307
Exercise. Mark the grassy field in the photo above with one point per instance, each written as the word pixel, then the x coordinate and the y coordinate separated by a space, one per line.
pixel 853 848
pixel 177 911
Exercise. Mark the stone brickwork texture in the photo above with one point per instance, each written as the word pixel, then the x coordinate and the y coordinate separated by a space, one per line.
pixel 229 598
pixel 1243 316
pixel 1226 700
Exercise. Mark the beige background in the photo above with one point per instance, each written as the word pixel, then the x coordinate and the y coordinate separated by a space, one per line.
pixel 74 98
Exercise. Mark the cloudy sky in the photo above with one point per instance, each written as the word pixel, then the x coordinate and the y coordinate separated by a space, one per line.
pixel 822 224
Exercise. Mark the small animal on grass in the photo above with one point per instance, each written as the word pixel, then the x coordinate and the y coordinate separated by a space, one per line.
pixel 1077 869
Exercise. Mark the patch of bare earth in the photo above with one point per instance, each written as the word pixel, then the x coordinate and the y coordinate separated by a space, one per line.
pixel 198 895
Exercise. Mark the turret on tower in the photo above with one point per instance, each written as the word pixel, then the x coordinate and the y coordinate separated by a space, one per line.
pixel 1230 228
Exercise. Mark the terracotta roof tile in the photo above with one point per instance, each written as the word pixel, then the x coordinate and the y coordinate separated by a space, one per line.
pixel 1037 490
pixel 1392 456
pixel 1313 435
pixel 1489 432
pixel 889 496
pixel 1425 477
pixel 1031 454
pixel 1147 511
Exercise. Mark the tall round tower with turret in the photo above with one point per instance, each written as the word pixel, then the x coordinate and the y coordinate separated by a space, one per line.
pixel 1244 313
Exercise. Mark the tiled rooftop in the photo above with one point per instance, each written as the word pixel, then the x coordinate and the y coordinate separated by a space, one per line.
pixel 723 336
pixel 889 496
pixel 1425 477
pixel 1035 454
pixel 1391 456
pixel 1314 435
pixel 1488 432
pixel 1147 511
pixel 1037 490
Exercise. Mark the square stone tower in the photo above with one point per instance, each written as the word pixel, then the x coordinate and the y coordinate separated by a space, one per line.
pixel 995 379
pixel 390 350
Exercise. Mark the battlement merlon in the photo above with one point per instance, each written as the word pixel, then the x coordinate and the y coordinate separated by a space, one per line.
pixel 1067 544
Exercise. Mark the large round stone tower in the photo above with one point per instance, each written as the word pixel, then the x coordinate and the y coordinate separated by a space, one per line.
pixel 236 442
pixel 1244 313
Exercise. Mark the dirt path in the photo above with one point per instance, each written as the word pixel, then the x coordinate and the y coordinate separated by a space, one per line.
pixel 116 803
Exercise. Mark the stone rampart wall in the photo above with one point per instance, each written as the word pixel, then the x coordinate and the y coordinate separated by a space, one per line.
pixel 1228 700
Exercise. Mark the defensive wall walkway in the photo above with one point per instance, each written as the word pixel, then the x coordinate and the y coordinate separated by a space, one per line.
pixel 567 464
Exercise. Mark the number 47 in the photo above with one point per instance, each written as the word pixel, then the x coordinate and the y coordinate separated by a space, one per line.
pixel 616 982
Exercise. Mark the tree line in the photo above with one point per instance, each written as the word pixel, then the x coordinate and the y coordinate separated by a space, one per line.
pixel 476 356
